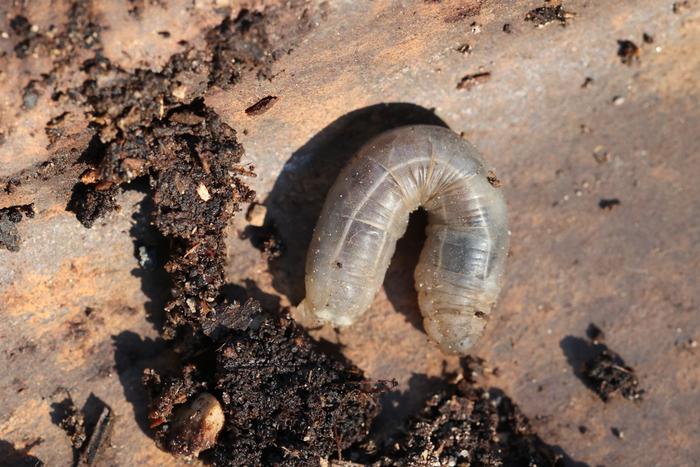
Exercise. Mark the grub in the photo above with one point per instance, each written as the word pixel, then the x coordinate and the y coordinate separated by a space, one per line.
pixel 262 106
pixel 256 214
pixel 468 82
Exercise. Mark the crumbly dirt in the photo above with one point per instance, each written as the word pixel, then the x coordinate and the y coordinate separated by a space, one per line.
pixel 608 376
pixel 9 218
pixel 470 425
pixel 72 421
pixel 285 401
pixel 155 124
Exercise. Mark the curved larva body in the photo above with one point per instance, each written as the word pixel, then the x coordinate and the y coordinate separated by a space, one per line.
pixel 459 273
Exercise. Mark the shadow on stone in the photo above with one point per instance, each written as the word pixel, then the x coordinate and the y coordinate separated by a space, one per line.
pixel 133 354
pixel 151 251
pixel 297 197
pixel 9 455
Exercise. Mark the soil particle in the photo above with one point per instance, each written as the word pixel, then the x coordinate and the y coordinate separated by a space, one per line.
pixel 595 334
pixel 586 82
pixel 31 95
pixel 609 203
pixel 465 49
pixel 195 426
pixel 262 106
pixel 468 82
pixel 507 28
pixel 608 376
pixel 600 154
pixel 89 205
pixel 9 218
pixel 544 15
pixel 627 51
pixel 493 179
pixel 647 38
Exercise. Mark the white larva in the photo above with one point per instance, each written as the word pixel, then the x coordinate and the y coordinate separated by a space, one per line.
pixel 461 266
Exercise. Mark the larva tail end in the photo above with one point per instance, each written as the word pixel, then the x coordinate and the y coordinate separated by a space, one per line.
pixel 453 338
pixel 304 315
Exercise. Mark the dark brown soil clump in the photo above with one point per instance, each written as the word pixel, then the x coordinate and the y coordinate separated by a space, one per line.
pixel 628 52
pixel 609 375
pixel 470 425
pixel 601 369
pixel 285 401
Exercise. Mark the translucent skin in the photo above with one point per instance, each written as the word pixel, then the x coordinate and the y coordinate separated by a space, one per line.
pixel 461 266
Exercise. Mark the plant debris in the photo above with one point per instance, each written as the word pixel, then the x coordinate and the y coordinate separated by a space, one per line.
pixel 73 423
pixel 468 82
pixel 544 15
pixel 262 106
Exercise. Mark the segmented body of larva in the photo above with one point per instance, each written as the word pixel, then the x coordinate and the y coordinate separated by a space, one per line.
pixel 460 269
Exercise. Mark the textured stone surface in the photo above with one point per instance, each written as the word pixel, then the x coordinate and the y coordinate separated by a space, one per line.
pixel 633 269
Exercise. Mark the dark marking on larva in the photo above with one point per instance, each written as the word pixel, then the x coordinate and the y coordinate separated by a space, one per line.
pixel 262 106
pixel 458 276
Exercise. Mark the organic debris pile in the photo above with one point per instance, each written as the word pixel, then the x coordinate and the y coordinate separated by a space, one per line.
pixel 284 400
pixel 607 372
pixel 471 425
